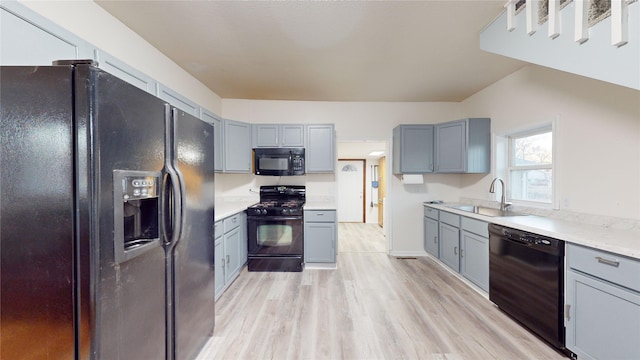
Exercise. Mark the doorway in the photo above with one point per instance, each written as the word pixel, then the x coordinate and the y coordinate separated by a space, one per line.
pixel 351 185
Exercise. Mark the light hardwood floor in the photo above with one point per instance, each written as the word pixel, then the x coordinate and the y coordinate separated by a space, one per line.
pixel 373 306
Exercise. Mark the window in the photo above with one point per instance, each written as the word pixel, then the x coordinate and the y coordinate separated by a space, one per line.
pixel 531 166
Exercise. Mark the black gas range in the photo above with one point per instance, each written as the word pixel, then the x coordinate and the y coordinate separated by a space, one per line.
pixel 276 230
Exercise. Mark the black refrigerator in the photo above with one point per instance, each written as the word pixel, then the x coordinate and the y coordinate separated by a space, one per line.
pixel 107 222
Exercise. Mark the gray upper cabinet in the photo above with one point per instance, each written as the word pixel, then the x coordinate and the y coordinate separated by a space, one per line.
pixel 125 72
pixel 237 147
pixel 27 38
pixel 218 133
pixel 463 146
pixel 413 149
pixel 278 135
pixel 320 148
pixel 177 100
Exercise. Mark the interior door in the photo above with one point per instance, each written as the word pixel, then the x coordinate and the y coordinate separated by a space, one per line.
pixel 351 181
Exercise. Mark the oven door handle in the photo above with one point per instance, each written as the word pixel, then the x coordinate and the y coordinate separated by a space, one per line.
pixel 274 218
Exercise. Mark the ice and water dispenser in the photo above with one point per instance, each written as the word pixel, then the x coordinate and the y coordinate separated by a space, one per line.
pixel 136 213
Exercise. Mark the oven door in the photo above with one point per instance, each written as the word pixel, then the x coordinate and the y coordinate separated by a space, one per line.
pixel 275 235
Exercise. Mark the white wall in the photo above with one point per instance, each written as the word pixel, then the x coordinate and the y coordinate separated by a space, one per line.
pixel 360 121
pixel 90 22
pixel 598 142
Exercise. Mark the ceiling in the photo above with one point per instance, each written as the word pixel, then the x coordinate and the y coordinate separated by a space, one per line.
pixel 325 50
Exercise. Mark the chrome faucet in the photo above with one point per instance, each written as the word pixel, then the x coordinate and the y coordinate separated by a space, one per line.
pixel 492 189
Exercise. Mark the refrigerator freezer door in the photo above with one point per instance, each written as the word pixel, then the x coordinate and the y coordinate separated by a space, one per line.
pixel 119 127
pixel 36 188
pixel 193 253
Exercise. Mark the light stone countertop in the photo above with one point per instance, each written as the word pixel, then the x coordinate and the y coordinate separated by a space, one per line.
pixel 620 241
pixel 320 204
pixel 226 207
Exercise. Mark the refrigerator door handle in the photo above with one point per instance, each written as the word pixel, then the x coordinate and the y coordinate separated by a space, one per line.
pixel 172 224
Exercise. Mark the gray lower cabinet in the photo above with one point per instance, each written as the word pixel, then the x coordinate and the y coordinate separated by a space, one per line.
pixel 230 250
pixel 278 135
pixel 320 153
pixel 431 242
pixel 412 149
pixel 474 251
pixel 237 147
pixel 320 236
pixel 463 146
pixel 460 242
pixel 602 316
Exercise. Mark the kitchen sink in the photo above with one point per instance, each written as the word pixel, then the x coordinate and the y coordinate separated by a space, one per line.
pixel 486 211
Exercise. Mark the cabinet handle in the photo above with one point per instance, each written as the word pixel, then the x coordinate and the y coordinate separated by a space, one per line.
pixel 461 253
pixel 435 239
pixel 227 259
pixel 223 265
pixel 607 261
pixel 455 250
pixel 567 316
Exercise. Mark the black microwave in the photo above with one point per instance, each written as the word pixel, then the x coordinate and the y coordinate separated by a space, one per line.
pixel 279 161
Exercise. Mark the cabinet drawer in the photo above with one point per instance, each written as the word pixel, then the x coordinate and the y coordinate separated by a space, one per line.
pixel 449 218
pixel 431 213
pixel 231 223
pixel 320 216
pixel 477 227
pixel 218 229
pixel 615 268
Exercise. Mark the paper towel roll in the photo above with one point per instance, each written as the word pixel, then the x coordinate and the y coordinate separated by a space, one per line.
pixel 410 179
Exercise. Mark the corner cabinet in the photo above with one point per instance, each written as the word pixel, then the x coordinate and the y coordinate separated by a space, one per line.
pixel 412 149
pixel 463 146
pixel 602 312
pixel 278 135
pixel 237 147
pixel 218 134
pixel 320 236
pixel 320 153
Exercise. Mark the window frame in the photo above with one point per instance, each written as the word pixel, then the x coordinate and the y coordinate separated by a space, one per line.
pixel 511 167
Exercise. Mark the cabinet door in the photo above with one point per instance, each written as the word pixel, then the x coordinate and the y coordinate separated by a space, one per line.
pixel 266 135
pixel 413 149
pixel 474 259
pixel 319 242
pixel 219 265
pixel 36 41
pixel 125 72
pixel 450 246
pixel 218 134
pixel 451 146
pixel 292 135
pixel 232 254
pixel 431 244
pixel 603 321
pixel 177 100
pixel 320 149
pixel 237 146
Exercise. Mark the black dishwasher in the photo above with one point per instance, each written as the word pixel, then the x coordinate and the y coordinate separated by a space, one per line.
pixel 526 280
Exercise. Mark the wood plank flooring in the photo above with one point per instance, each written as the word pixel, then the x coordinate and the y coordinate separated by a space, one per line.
pixel 373 306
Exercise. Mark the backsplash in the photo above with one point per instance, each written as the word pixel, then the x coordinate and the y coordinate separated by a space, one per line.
pixel 572 216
